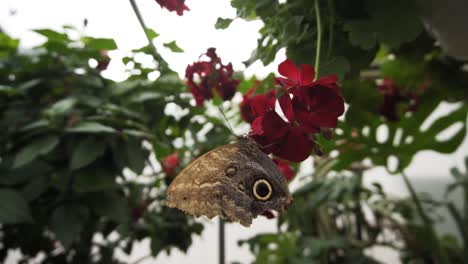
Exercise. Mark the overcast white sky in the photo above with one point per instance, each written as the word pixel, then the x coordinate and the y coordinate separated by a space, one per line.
pixel 194 33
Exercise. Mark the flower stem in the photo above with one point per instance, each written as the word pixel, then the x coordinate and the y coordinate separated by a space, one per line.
pixel 319 37
pixel 145 28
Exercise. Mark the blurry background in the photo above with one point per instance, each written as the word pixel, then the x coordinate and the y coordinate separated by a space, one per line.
pixel 194 33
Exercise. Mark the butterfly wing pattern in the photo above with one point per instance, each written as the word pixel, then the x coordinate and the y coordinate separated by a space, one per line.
pixel 219 183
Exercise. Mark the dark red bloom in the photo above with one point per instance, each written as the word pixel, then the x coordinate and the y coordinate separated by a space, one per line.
pixel 170 164
pixel 308 106
pixel 103 61
pixel 203 77
pixel 254 105
pixel 285 168
pixel 174 5
pixel 394 95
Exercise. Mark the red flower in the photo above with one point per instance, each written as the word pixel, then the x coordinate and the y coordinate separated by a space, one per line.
pixel 174 5
pixel 250 110
pixel 315 105
pixel 285 168
pixel 204 76
pixel 170 164
pixel 395 95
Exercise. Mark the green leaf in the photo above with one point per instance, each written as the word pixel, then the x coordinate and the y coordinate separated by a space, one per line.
pixel 90 127
pixel 67 222
pixel 223 23
pixel 151 33
pixel 38 147
pixel 61 107
pixel 93 179
pixel 100 43
pixel 382 25
pixel 173 47
pixel 52 35
pixel 13 208
pixel 109 204
pixel 136 155
pixel 87 151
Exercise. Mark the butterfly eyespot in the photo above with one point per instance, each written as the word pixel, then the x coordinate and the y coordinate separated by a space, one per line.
pixel 262 190
pixel 231 171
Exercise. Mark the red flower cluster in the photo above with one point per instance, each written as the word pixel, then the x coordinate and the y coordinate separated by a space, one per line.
pixel 170 164
pixel 314 105
pixel 285 168
pixel 205 76
pixel 394 95
pixel 174 5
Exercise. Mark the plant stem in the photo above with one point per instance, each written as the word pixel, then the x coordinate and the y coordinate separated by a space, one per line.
pixel 144 27
pixel 319 38
pixel 439 254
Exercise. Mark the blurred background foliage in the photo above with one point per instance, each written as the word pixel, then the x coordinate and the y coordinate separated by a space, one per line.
pixel 81 154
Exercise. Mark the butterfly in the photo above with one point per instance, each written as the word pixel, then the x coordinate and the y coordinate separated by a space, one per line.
pixel 237 182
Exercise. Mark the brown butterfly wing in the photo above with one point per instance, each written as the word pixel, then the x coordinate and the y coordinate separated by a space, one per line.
pixel 201 188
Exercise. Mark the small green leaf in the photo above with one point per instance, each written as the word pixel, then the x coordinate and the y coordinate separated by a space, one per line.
pixel 90 127
pixel 40 146
pixel 223 23
pixel 13 208
pixel 136 155
pixel 173 47
pixel 100 43
pixel 87 151
pixel 151 33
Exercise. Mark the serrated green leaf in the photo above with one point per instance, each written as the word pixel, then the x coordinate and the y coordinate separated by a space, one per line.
pixel 223 23
pixel 38 147
pixel 86 152
pixel 13 208
pixel 173 47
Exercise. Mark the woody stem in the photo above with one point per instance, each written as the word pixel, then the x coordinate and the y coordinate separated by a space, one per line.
pixel 319 37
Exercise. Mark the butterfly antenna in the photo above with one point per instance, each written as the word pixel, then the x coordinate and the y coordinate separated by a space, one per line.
pixel 227 121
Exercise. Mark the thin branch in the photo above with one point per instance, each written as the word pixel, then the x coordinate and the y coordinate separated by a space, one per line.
pixel 144 27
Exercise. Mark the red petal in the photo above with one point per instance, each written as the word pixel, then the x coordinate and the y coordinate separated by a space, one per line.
pixel 295 147
pixel 288 69
pixel 285 83
pixel 257 126
pixel 274 127
pixel 307 74
pixel 286 106
pixel 262 103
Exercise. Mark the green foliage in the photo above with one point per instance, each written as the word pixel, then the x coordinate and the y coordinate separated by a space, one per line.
pixel 67 136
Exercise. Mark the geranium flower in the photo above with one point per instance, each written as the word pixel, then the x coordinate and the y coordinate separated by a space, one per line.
pixel 309 107
pixel 170 164
pixel 174 5
pixel 203 77
pixel 285 168
pixel 263 102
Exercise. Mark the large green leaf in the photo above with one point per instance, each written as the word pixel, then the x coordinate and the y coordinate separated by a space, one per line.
pixel 67 223
pixel 13 208
pixel 86 152
pixel 38 147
